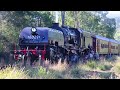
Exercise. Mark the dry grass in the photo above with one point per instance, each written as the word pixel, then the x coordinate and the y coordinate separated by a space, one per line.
pixel 13 73
pixel 116 67
pixel 59 67
pixel 103 69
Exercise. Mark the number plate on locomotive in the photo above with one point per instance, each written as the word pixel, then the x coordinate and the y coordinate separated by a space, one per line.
pixel 33 37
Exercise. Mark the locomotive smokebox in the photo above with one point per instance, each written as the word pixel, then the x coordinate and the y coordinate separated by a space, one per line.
pixel 55 25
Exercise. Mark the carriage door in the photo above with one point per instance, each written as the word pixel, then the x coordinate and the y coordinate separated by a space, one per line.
pixel 98 46
pixel 83 42
pixel 94 44
pixel 109 47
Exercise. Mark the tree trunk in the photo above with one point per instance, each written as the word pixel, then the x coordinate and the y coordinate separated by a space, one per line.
pixel 63 17
pixel 76 19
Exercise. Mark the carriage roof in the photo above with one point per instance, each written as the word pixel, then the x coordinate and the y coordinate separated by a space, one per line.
pixel 114 41
pixel 101 37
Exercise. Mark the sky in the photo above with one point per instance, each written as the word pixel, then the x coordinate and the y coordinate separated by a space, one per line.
pixel 113 14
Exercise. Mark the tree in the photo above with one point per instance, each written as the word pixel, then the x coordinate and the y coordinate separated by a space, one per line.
pixel 92 21
pixel 117 34
pixel 107 25
pixel 21 19
pixel 63 17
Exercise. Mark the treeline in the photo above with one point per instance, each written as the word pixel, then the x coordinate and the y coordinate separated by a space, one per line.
pixel 11 22
pixel 93 21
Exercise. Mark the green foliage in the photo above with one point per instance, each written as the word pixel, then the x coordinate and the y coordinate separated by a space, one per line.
pixel 105 75
pixel 104 67
pixel 21 19
pixel 76 72
pixel 117 34
pixel 56 74
pixel 93 21
pixel 116 67
pixel 41 71
pixel 37 72
pixel 8 35
pixel 92 64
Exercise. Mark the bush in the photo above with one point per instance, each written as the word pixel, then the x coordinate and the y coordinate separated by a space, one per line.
pixel 105 75
pixel 38 72
pixel 56 75
pixel 104 67
pixel 77 73
pixel 92 64
pixel 8 35
pixel 41 73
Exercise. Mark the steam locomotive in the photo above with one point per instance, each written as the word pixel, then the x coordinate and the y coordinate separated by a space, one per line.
pixel 62 42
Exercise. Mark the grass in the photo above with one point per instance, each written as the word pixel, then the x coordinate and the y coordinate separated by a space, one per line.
pixel 116 68
pixel 91 64
pixel 104 69
pixel 13 73
pixel 59 67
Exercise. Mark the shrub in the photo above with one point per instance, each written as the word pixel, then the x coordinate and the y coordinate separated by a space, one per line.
pixel 92 64
pixel 56 75
pixel 104 67
pixel 77 72
pixel 105 75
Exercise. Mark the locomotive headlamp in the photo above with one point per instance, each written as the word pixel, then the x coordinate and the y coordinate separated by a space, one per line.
pixel 34 30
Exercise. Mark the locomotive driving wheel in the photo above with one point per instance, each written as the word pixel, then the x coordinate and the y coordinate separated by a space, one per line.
pixel 26 60
pixel 39 59
pixel 52 57
pixel 23 60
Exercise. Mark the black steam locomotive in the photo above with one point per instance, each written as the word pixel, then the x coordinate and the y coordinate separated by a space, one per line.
pixel 48 43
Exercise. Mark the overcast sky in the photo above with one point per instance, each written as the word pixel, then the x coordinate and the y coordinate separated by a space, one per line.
pixel 113 14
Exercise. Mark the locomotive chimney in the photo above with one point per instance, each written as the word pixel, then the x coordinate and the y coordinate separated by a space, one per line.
pixel 55 25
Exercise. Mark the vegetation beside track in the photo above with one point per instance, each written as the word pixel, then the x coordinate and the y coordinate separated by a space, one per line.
pixel 103 69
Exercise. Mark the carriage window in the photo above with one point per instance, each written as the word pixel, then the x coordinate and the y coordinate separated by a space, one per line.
pixel 116 47
pixel 102 46
pixel 98 42
pixel 106 46
pixel 113 47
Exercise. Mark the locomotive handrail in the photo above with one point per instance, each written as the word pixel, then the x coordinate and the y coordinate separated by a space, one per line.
pixel 26 50
pixel 33 44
